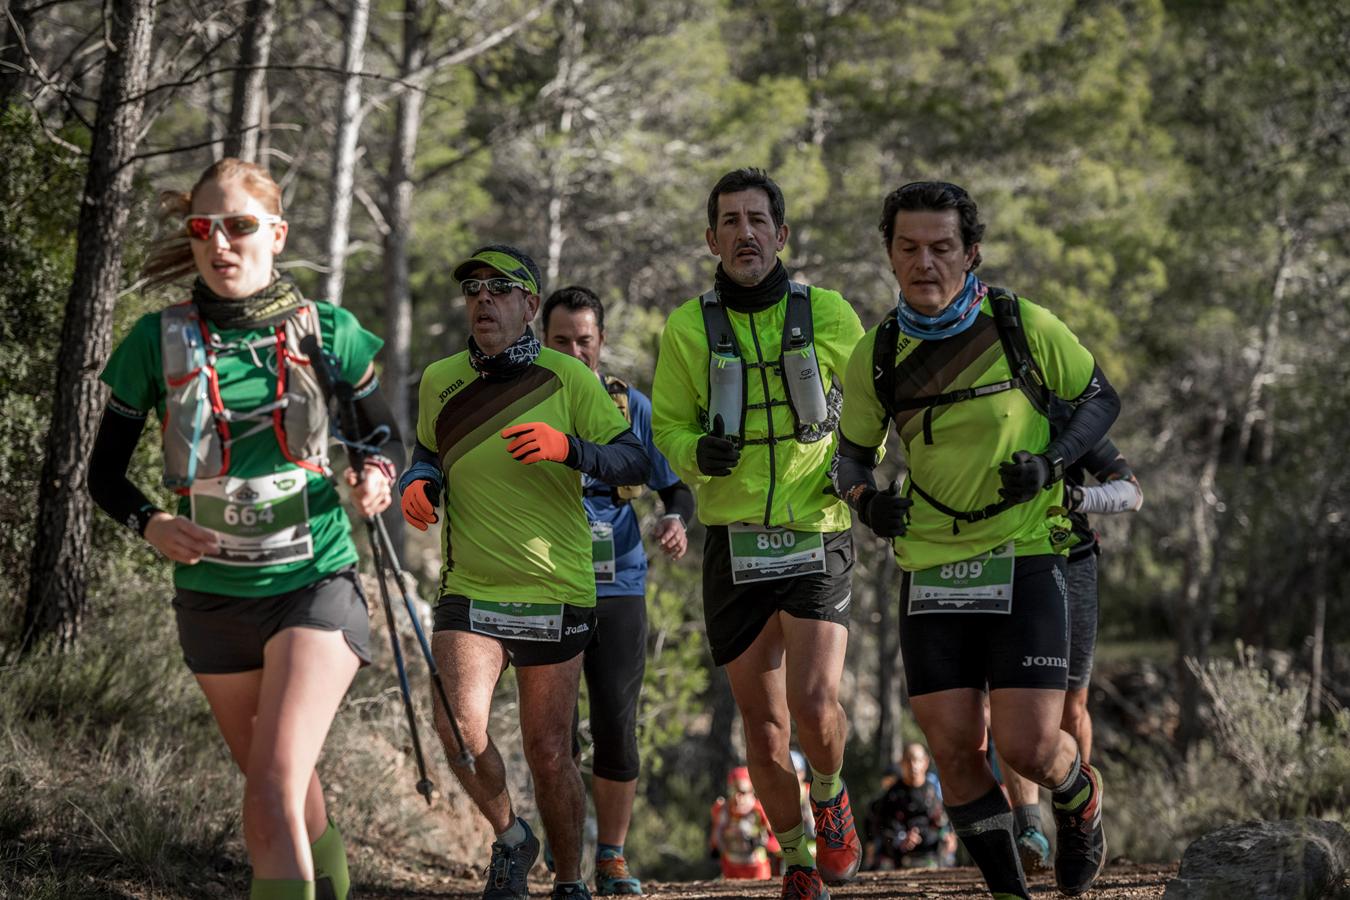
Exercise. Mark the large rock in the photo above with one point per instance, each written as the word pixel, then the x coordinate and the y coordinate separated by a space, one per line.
pixel 1293 859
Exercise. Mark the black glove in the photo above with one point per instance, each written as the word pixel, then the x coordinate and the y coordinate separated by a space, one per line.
pixel 885 512
pixel 1026 474
pixel 715 454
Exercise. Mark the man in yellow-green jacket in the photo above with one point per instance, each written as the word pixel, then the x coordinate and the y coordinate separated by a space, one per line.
pixel 744 406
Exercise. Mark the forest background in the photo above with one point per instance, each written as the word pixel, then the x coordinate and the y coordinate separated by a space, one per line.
pixel 1170 178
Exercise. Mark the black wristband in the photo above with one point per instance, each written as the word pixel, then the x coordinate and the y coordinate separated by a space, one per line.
pixel 141 518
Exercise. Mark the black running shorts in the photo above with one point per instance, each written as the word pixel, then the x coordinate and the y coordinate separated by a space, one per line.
pixel 452 614
pixel 221 635
pixel 1028 647
pixel 615 662
pixel 1082 619
pixel 735 613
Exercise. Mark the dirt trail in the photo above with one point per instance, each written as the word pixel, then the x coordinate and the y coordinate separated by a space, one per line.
pixel 1124 881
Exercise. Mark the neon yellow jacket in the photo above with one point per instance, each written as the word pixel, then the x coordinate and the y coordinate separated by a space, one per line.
pixel 780 483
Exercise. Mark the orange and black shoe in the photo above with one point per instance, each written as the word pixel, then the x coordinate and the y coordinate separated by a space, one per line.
pixel 803 883
pixel 1080 841
pixel 838 850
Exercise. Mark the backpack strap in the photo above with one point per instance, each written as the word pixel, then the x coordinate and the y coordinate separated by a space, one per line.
pixel 1026 372
pixel 883 363
pixel 797 316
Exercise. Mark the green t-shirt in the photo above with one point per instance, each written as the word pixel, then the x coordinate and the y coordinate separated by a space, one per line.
pixel 513 532
pixel 970 438
pixel 135 374
pixel 779 484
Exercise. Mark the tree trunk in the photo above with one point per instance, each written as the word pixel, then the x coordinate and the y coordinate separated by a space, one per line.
pixel 255 48
pixel 573 34
pixel 14 62
pixel 344 150
pixel 58 576
pixel 398 214
pixel 1195 617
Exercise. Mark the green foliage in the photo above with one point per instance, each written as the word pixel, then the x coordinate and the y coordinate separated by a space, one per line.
pixel 40 186
pixel 1263 762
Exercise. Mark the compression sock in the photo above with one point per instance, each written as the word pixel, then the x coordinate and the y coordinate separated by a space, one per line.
pixel 611 850
pixel 1025 817
pixel 281 889
pixel 515 835
pixel 795 850
pixel 1075 791
pixel 985 828
pixel 332 881
pixel 825 788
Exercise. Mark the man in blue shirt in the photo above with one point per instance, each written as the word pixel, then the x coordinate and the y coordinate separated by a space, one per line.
pixel 615 659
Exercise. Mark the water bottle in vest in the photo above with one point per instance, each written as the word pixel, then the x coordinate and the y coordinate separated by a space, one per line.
pixel 726 381
pixel 801 374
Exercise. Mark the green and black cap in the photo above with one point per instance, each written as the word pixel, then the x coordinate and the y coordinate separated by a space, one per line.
pixel 510 261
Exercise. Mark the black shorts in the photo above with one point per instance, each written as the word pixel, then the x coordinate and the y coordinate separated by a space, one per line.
pixel 1027 647
pixel 616 659
pixel 452 614
pixel 222 635
pixel 1082 619
pixel 735 613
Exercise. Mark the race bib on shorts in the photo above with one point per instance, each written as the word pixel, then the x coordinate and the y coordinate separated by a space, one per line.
pixel 260 521
pixel 767 554
pixel 602 552
pixel 981 584
pixel 516 621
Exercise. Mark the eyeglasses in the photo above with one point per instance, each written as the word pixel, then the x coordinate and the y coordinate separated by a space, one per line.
pixel 235 225
pixel 495 286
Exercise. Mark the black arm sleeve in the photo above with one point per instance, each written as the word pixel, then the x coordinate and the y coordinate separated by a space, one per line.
pixel 1095 410
pixel 621 461
pixel 372 411
pixel 678 500
pixel 107 480
pixel 1105 462
pixel 422 454
pixel 853 465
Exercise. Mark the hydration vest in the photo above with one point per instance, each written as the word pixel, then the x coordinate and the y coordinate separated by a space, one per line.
pixel 1026 376
pixel 618 392
pixel 196 426
pixel 815 412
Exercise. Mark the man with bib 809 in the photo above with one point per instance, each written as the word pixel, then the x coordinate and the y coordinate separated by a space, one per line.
pixel 744 406
pixel 505 431
pixel 971 376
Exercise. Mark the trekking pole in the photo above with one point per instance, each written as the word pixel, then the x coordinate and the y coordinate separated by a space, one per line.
pixel 465 757
pixel 335 388
pixel 382 551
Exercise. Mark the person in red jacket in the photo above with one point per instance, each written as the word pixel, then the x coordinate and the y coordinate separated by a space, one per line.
pixel 741 837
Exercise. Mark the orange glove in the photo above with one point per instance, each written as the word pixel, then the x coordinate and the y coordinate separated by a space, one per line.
pixel 418 510
pixel 535 441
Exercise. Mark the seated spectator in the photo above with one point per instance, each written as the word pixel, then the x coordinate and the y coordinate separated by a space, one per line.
pixel 907 826
pixel 741 837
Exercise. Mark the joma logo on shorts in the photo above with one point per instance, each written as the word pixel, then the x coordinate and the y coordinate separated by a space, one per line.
pixel 577 629
pixel 1054 662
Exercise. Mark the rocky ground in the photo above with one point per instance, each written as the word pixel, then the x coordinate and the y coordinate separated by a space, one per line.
pixel 1120 881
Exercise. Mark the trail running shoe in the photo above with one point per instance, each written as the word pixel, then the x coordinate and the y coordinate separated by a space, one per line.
pixel 510 867
pixel 611 876
pixel 1034 848
pixel 838 851
pixel 803 883
pixel 1080 841
pixel 570 892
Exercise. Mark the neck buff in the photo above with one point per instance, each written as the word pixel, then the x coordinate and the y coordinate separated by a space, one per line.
pixel 959 315
pixel 271 306
pixel 752 299
pixel 504 366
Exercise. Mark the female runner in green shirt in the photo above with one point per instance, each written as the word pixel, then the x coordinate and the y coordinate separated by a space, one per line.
pixel 270 613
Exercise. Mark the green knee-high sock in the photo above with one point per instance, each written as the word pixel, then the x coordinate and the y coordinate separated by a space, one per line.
pixel 331 879
pixel 281 889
